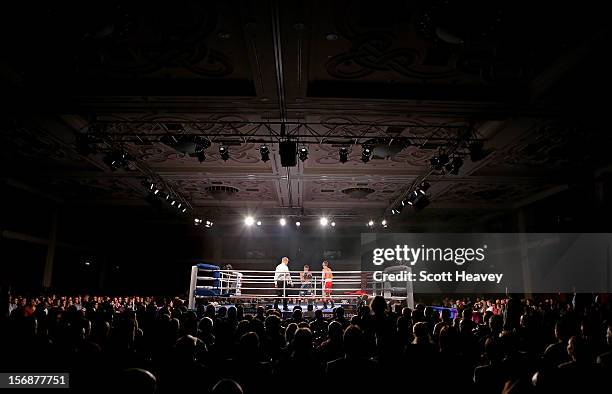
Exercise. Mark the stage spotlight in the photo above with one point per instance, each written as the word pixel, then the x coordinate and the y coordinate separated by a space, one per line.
pixel 264 151
pixel 167 197
pixel 477 151
pixel 152 186
pixel 298 224
pixel 201 143
pixel 208 224
pixel 384 223
pixel 333 224
pixel 454 166
pixel 259 222
pixel 413 196
pixel 179 206
pixel 303 154
pixel 323 221
pixel 421 203
pixel 173 202
pixel 156 191
pixel 224 152
pixel 197 221
pixel 249 220
pixel 116 160
pixel 184 210
pixel 282 221
pixel 424 187
pixel 343 153
pixel 371 223
pixel 366 154
pixel 438 162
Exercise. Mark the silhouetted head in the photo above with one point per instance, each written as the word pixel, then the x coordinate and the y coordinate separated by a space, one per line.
pixel 319 314
pixel 205 326
pixel 438 328
pixel 448 338
pixel 232 312
pixel 562 330
pixel 226 386
pixel 297 314
pixel 137 380
pixel 101 329
pixel 421 333
pixel 290 332
pixel 417 316
pixel 496 323
pixel 466 326
pixel 525 321
pixel 335 331
pixel 210 310
pixel 248 346
pixel 378 305
pixel 577 349
pixel 302 342
pixel 243 327
pixel 272 324
pixel 353 341
pixel 339 313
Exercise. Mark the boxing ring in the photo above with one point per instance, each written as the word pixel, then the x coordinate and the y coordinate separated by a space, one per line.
pixel 208 281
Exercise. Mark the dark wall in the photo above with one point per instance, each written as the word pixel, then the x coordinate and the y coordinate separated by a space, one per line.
pixel 584 206
pixel 23 214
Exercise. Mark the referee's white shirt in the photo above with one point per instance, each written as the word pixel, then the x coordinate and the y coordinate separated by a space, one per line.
pixel 282 273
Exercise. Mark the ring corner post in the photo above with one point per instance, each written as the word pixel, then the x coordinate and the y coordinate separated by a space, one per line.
pixel 192 286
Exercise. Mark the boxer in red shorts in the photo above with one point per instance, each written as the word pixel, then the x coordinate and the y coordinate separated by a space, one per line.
pixel 328 277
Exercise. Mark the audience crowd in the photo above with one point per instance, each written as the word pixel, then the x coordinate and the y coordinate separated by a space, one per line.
pixel 146 345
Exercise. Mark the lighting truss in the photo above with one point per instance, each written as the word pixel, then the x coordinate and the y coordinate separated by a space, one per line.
pixel 330 133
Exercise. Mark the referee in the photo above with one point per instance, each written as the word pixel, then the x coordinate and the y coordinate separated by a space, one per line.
pixel 282 280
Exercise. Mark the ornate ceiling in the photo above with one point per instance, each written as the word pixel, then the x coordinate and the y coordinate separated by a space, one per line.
pixel 370 66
